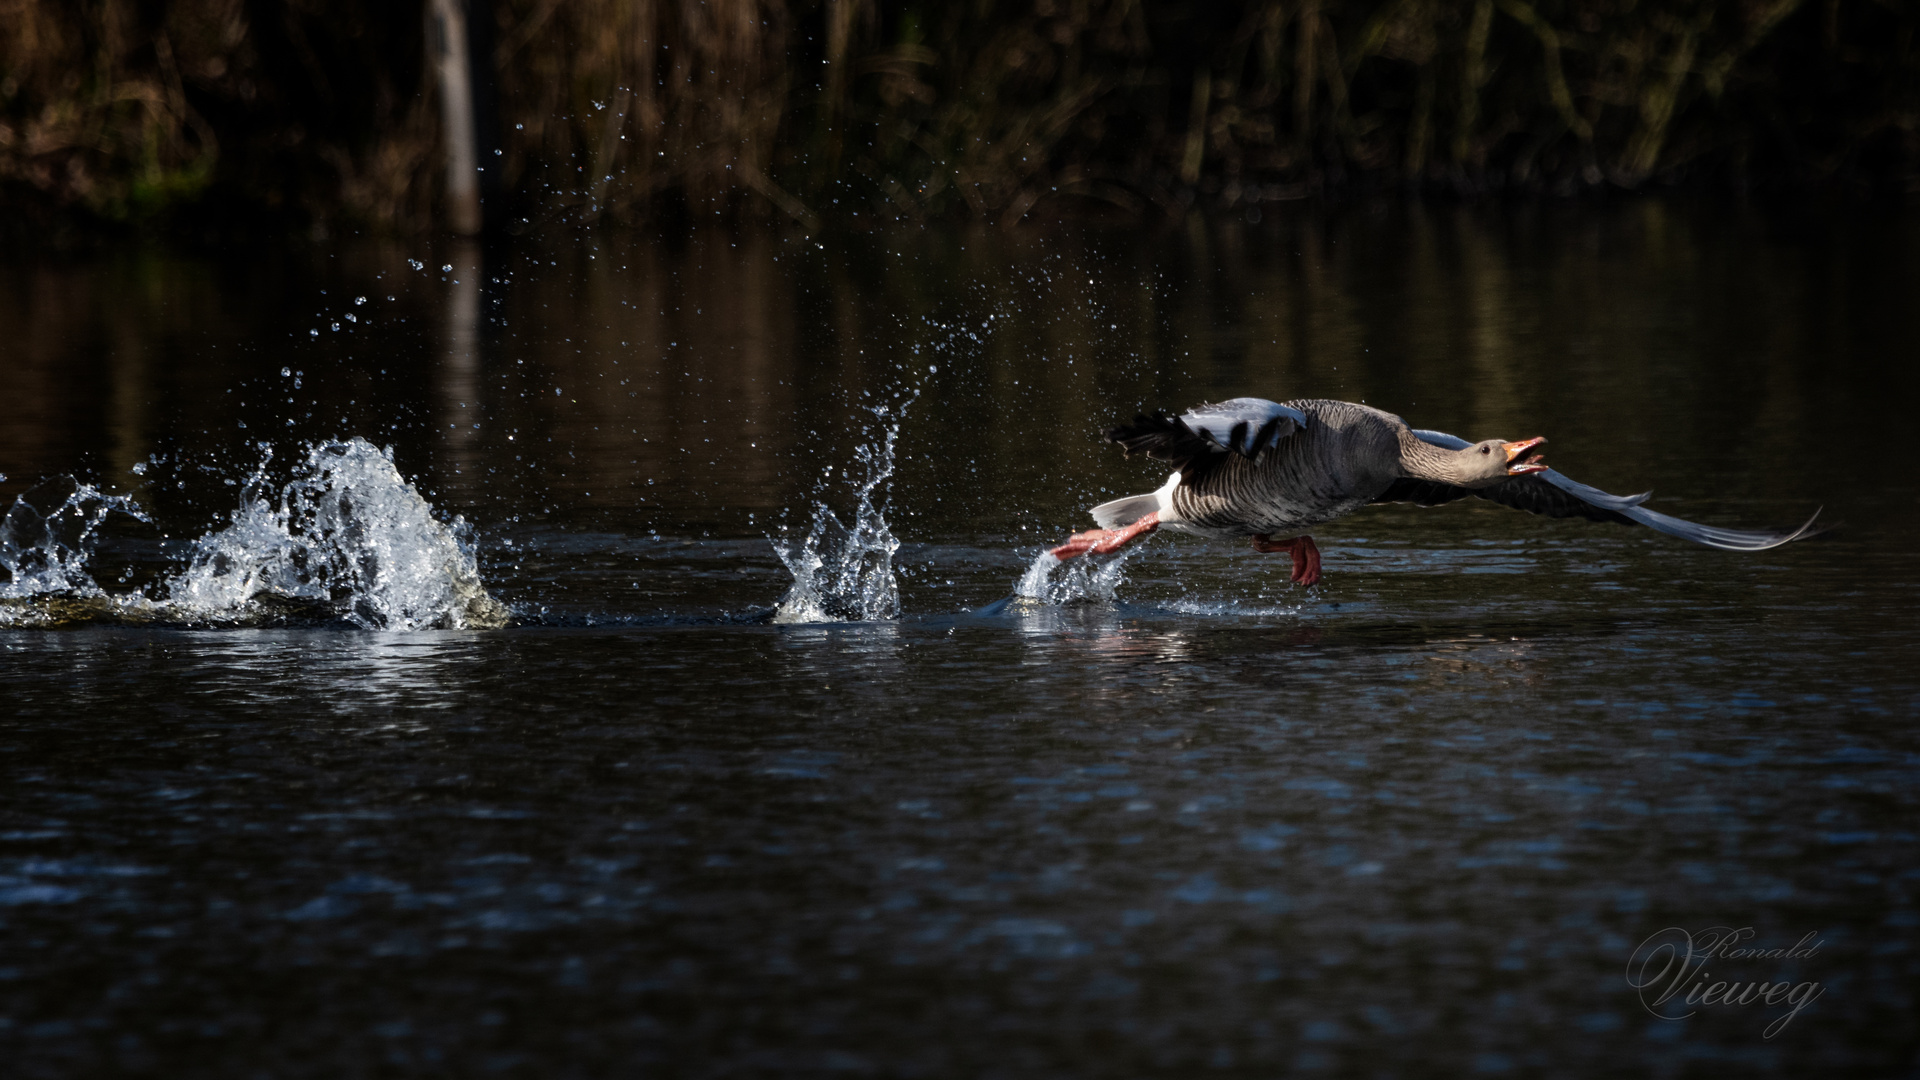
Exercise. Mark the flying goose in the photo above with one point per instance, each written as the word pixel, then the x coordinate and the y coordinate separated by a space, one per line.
pixel 1252 467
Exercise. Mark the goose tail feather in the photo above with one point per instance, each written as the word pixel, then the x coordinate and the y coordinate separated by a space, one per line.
pixel 1123 512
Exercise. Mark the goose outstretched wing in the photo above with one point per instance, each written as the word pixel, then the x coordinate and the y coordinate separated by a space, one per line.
pixel 1553 494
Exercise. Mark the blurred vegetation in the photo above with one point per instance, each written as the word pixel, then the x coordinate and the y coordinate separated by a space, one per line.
pixel 323 110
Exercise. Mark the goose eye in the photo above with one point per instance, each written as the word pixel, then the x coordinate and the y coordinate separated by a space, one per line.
pixel 1486 449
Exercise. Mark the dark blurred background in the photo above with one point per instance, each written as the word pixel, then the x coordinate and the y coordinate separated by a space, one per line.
pixel 203 115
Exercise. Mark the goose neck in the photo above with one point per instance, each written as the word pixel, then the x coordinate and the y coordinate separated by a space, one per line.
pixel 1424 461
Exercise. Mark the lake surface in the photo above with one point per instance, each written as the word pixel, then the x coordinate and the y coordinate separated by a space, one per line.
pixel 519 765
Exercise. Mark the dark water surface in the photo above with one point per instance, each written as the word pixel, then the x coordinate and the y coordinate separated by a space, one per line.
pixel 1186 820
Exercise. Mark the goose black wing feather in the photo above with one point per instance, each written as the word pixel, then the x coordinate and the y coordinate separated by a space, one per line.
pixel 1421 492
pixel 1200 438
pixel 1531 493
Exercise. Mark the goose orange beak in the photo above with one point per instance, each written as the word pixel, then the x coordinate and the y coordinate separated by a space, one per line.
pixel 1523 457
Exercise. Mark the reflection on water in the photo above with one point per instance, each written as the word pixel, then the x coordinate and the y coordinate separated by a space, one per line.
pixel 1158 815
pixel 460 366
pixel 640 384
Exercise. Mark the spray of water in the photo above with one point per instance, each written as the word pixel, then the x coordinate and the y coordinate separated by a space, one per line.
pixel 48 534
pixel 349 530
pixel 348 538
pixel 843 571
pixel 1083 581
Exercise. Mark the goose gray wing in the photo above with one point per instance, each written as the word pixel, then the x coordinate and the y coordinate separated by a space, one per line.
pixel 1552 494
pixel 1201 437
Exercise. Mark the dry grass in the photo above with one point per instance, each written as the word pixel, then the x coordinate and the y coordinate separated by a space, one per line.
pixel 609 103
pixel 992 109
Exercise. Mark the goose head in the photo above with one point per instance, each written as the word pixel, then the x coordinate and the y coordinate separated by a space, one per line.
pixel 1488 462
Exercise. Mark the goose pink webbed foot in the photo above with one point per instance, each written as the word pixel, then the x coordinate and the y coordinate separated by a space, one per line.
pixel 1101 541
pixel 1306 557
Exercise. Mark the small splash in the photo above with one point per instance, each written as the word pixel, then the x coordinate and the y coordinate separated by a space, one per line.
pixel 1084 581
pixel 1033 583
pixel 44 552
pixel 1230 608
pixel 843 571
pixel 346 539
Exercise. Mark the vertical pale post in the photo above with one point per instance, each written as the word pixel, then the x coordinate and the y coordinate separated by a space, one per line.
pixel 447 41
pixel 460 373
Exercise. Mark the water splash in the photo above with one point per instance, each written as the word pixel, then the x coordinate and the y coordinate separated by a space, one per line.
pixel 843 571
pixel 348 530
pixel 1084 581
pixel 1229 608
pixel 44 553
pixel 346 539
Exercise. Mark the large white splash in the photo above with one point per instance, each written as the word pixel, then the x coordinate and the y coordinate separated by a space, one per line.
pixel 843 571
pixel 347 537
pixel 348 530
